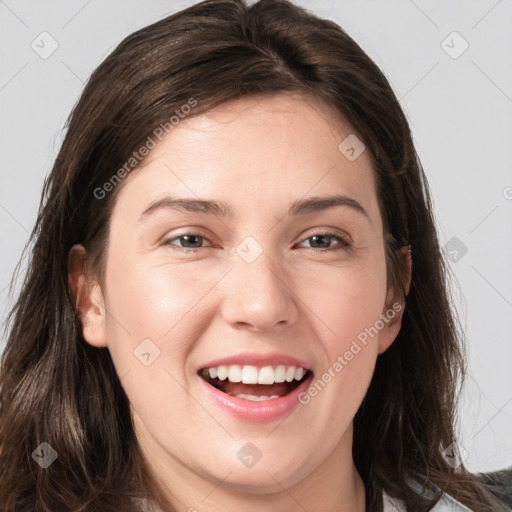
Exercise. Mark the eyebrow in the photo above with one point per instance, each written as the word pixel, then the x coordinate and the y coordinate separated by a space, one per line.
pixel 297 208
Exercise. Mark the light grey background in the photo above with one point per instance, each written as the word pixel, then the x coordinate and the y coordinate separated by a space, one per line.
pixel 459 109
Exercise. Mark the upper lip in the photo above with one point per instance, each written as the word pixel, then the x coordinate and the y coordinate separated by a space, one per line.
pixel 258 360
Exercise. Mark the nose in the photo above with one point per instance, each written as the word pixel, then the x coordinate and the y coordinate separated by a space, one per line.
pixel 259 296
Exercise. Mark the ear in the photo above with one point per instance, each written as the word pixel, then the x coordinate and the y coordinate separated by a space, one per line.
pixel 88 298
pixel 395 302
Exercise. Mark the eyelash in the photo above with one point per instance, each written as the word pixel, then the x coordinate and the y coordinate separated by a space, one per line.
pixel 344 243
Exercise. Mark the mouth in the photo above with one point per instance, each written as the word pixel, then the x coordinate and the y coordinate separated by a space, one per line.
pixel 254 383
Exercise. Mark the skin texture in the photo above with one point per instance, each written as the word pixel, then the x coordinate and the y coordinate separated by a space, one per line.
pixel 258 155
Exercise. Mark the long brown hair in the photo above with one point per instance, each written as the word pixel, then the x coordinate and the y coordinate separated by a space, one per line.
pixel 56 388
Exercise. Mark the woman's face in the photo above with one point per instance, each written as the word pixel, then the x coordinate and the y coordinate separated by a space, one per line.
pixel 248 286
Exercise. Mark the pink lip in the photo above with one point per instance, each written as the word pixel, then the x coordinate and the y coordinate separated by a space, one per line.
pixel 257 412
pixel 258 360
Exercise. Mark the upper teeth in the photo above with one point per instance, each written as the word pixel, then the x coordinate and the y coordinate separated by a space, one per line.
pixel 248 374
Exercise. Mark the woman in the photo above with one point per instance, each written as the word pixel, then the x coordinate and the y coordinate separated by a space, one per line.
pixel 184 340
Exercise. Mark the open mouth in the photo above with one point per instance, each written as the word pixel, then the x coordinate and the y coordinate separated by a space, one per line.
pixel 254 383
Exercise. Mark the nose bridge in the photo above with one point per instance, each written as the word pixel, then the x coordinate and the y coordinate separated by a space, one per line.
pixel 256 258
pixel 258 293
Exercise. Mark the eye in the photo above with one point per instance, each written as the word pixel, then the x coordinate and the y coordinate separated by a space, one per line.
pixel 320 239
pixel 190 241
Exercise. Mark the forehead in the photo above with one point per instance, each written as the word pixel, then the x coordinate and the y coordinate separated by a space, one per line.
pixel 271 119
pixel 253 153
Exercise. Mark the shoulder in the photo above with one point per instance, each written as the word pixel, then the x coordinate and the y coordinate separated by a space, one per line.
pixel 143 504
pixel 445 504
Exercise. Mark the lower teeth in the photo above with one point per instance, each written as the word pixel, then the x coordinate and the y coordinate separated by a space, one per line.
pixel 255 398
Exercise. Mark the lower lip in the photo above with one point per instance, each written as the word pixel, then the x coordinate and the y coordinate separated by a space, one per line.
pixel 257 412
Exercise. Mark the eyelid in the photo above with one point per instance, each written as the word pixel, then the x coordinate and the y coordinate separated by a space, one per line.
pixel 192 232
pixel 345 242
pixel 332 231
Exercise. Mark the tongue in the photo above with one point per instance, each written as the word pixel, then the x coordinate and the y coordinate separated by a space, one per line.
pixel 237 388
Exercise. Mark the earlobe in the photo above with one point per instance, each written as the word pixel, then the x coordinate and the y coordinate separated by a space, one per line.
pixel 87 298
pixel 395 303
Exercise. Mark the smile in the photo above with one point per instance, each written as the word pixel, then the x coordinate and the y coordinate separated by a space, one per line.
pixel 252 383
pixel 256 393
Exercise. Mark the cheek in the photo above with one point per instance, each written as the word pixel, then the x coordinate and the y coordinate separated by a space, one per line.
pixel 155 311
pixel 157 302
pixel 347 303
pixel 345 300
